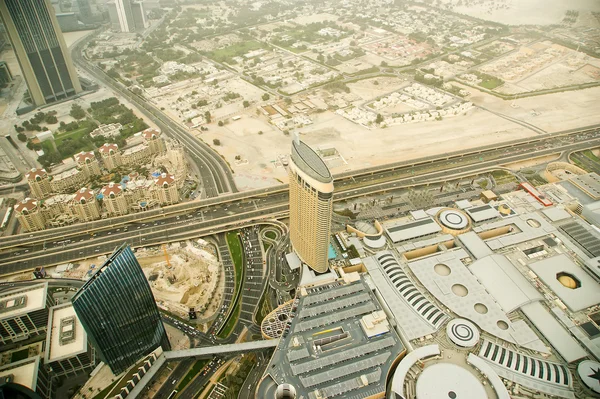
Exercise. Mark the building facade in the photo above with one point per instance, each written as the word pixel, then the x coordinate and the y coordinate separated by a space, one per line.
pixel 118 311
pixel 40 49
pixel 154 141
pixel 126 16
pixel 39 183
pixel 311 205
pixel 85 206
pixel 111 157
pixel 29 215
pixel 165 190
pixel 136 155
pixel 67 181
pixel 88 164
pixel 114 199
pixel 24 313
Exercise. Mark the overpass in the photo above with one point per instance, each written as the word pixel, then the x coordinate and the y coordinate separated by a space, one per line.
pixel 222 349
pixel 198 352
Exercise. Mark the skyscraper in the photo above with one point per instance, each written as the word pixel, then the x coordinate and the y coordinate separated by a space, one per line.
pixel 85 11
pixel 126 15
pixel 117 310
pixel 311 202
pixel 40 49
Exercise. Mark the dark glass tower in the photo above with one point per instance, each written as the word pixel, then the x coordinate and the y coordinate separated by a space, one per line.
pixel 40 49
pixel 118 311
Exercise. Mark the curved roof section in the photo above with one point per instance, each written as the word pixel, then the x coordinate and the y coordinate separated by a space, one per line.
pixel 310 162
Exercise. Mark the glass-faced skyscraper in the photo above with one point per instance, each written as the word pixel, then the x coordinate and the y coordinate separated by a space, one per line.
pixel 117 310
pixel 40 49
pixel 311 204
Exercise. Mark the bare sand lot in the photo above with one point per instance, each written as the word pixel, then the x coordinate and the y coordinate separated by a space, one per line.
pixel 523 12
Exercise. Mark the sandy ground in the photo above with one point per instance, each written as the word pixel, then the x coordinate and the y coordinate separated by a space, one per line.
pixel 525 12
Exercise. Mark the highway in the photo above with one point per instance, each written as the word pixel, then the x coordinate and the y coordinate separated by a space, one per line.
pixel 24 251
pixel 379 178
pixel 216 176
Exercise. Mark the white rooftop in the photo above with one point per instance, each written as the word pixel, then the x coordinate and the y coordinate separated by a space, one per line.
pixel 35 300
pixel 582 297
pixel 54 349
pixel 402 231
pixel 24 372
pixel 438 380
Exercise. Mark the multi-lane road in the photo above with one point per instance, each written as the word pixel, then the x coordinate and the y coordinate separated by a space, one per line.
pixel 205 217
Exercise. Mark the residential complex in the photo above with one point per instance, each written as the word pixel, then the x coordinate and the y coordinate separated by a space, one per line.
pixel 117 310
pixel 41 50
pixel 311 202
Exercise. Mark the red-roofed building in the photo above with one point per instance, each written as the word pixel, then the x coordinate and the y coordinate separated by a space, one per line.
pixel 165 190
pixel 85 205
pixel 114 198
pixel 88 163
pixel 154 140
pixel 111 156
pixel 29 215
pixel 39 183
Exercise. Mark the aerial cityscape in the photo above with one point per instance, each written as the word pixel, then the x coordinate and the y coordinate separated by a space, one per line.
pixel 297 199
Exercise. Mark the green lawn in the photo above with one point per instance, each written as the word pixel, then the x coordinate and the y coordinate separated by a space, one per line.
pixel 271 234
pixel 491 84
pixel 236 50
pixel 194 370
pixel 235 248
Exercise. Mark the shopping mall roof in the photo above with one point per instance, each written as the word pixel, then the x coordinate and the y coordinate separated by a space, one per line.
pixel 327 351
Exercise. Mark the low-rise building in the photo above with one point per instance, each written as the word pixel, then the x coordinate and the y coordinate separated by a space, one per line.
pixel 88 164
pixel 114 199
pixel 29 215
pixel 39 183
pixel 106 131
pixel 68 181
pixel 111 157
pixel 85 205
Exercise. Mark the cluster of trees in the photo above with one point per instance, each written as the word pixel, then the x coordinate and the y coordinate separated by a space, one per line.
pixel 231 96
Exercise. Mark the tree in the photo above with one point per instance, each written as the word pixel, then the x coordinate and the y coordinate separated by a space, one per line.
pixel 266 97
pixel 216 142
pixel 21 136
pixel 384 64
pixel 207 116
pixel 77 112
pixel 51 119
pixel 379 119
pixel 220 123
pixel 246 104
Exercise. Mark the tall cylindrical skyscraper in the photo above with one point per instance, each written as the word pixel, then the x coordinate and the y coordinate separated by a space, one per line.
pixel 40 49
pixel 118 312
pixel 311 204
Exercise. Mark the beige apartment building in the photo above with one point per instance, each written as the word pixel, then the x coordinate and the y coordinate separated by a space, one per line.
pixel 114 199
pixel 29 215
pixel 111 157
pixel 165 190
pixel 85 206
pixel 154 141
pixel 39 183
pixel 311 205
pixel 88 163
pixel 68 181
pixel 136 155
pixel 57 210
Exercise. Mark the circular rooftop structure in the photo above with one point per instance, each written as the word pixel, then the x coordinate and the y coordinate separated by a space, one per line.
pixel 448 381
pixel 285 391
pixel 589 372
pixel 463 333
pixel 453 221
